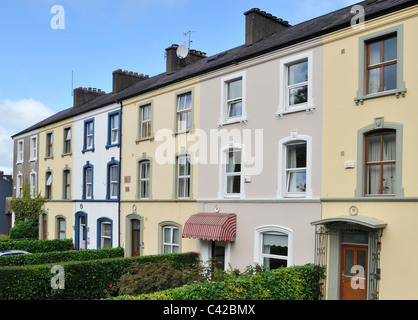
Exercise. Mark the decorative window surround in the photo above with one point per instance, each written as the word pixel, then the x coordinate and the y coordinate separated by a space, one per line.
pixel 88 167
pixel 113 129
pixel 379 124
pixel 145 126
pixel 32 182
pixel 272 229
pixel 190 110
pixel 161 229
pixel 88 143
pixel 294 137
pixel 20 148
pixel 223 118
pixel 284 106
pixel 362 83
pixel 101 236
pixel 222 193
pixel 33 148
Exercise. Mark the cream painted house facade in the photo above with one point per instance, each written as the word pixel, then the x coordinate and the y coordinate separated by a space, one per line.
pixel 158 175
pixel 56 167
pixel 369 190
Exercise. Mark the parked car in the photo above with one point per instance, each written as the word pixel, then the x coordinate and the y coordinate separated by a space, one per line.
pixel 12 252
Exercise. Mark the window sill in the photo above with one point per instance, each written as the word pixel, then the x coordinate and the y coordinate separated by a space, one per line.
pixel 241 120
pixel 151 138
pixel 87 150
pixel 397 92
pixel 308 109
pixel 66 154
pixel 108 146
pixel 49 157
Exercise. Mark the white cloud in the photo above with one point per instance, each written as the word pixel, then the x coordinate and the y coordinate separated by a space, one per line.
pixel 16 116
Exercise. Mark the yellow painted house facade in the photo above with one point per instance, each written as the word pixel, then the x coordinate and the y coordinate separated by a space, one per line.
pixel 159 170
pixel 56 165
pixel 369 192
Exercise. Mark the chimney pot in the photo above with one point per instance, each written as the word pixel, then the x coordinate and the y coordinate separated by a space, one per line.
pixel 84 95
pixel 259 25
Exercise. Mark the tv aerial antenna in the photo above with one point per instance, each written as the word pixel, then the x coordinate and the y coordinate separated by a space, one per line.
pixel 189 33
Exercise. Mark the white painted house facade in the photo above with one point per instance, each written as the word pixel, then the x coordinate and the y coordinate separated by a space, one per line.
pixel 96 178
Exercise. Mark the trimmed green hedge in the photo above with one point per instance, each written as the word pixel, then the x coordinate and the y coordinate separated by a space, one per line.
pixel 36 246
pixel 61 256
pixel 293 283
pixel 87 280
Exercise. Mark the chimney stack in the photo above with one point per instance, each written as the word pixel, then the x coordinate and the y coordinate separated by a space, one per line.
pixel 125 79
pixel 84 95
pixel 259 25
pixel 174 63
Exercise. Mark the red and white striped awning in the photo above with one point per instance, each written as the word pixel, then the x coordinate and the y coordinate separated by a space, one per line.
pixel 211 226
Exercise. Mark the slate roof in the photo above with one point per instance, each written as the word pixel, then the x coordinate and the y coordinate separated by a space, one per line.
pixel 294 34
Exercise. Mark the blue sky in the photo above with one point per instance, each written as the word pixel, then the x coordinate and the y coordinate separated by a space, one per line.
pixel 40 65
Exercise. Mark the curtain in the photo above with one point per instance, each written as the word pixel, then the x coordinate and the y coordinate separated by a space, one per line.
pixel 296 167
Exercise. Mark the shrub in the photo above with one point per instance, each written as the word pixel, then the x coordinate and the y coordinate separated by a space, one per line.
pixel 293 283
pixel 84 280
pixel 61 256
pixel 24 230
pixel 151 277
pixel 35 246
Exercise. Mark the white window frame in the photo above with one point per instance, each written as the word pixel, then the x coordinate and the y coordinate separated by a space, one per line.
pixel 258 243
pixel 171 244
pixel 146 180
pixel 184 177
pixel 224 119
pixel 294 138
pixel 19 185
pixel 102 236
pixel 114 128
pixel 223 180
pixel 113 182
pixel 20 149
pixel 33 148
pixel 284 106
pixel 89 134
pixel 89 184
pixel 145 122
pixel 32 181
pixel 184 111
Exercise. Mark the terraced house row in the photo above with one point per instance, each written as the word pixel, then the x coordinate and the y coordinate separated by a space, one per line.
pixel 295 147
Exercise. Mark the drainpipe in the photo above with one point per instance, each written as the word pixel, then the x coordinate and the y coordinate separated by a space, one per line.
pixel 120 169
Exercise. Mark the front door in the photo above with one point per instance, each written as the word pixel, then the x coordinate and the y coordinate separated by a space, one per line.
pixel 82 232
pixel 218 255
pixel 353 283
pixel 136 242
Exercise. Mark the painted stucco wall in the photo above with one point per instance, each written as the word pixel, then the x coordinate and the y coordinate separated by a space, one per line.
pixel 262 203
pixel 98 207
pixel 161 150
pixel 56 164
pixel 343 119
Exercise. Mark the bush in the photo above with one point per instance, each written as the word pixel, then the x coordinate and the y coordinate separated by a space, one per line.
pixel 84 280
pixel 36 246
pixel 61 256
pixel 293 283
pixel 151 277
pixel 24 230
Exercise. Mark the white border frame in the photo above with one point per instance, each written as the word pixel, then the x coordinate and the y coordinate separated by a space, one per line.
pixel 283 107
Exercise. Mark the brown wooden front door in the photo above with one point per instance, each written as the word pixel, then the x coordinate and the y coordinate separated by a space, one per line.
pixel 353 283
pixel 136 239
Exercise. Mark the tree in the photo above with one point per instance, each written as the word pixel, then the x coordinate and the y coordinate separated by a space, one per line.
pixel 27 208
